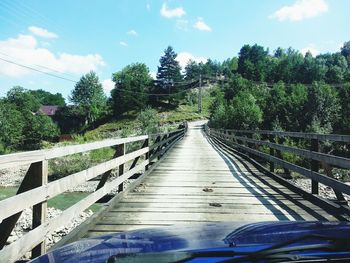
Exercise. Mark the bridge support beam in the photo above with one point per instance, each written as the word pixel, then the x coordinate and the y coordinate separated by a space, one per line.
pixel 40 210
pixel 120 151
pixel 315 166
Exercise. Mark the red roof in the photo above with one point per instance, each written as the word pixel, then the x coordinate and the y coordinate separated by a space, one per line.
pixel 49 110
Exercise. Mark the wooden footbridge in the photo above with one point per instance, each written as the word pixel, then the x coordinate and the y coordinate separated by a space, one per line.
pixel 191 175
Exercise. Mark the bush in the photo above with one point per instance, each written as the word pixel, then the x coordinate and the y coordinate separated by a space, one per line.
pixel 148 121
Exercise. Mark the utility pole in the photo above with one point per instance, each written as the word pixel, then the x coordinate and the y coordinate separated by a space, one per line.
pixel 200 94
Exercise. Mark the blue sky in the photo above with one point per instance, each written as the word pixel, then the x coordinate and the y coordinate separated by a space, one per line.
pixel 71 37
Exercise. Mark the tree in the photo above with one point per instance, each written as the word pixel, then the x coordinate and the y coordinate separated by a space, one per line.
pixel 343 124
pixel 323 107
pixel 88 95
pixel 11 126
pixel 345 51
pixel 47 98
pixel 252 62
pixel 22 126
pixel 243 112
pixel 193 70
pixel 313 69
pixel 39 127
pixel 169 72
pixel 23 99
pixel 131 90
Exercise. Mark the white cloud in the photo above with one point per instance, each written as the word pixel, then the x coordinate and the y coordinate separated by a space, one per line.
pixel 182 24
pixel 25 50
pixel 108 85
pixel 132 33
pixel 42 32
pixel 300 10
pixel 170 13
pixel 122 43
pixel 310 48
pixel 148 7
pixel 201 25
pixel 184 57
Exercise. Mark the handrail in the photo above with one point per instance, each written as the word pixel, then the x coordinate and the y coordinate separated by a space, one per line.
pixel 35 190
pixel 303 135
pixel 274 156
pixel 14 159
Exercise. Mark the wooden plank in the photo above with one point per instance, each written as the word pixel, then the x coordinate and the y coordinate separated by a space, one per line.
pixel 144 217
pixel 80 231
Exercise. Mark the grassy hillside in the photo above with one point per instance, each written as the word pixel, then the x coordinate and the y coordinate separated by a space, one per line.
pixel 169 117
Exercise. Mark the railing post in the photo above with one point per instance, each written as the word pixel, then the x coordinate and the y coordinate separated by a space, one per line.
pixel 315 166
pixel 39 210
pixel 272 153
pixel 120 151
pixel 147 155
pixel 35 176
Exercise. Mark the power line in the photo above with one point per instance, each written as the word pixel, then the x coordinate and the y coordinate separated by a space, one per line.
pixel 40 66
pixel 37 70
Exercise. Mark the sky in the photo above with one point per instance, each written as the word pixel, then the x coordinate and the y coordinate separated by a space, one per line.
pixel 68 38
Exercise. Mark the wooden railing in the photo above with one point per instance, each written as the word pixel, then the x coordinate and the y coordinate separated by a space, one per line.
pixel 35 190
pixel 243 140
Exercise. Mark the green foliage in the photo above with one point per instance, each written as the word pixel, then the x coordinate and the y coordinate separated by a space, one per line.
pixel 88 95
pixel 61 167
pixel 169 69
pixel 38 127
pixel 148 121
pixel 243 112
pixel 22 99
pixel 47 98
pixel 132 86
pixel 22 126
pixel 252 62
pixel 343 123
pixel 323 108
pixel 193 70
pixel 11 127
pixel 70 118
pixel 169 75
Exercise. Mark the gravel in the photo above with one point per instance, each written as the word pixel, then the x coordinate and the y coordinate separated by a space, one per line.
pixel 13 176
pixel 24 225
pixel 324 191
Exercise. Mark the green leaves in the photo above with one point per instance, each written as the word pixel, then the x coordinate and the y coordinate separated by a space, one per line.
pixel 88 95
pixel 132 85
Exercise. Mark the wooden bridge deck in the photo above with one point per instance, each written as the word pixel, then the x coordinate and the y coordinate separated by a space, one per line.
pixel 197 182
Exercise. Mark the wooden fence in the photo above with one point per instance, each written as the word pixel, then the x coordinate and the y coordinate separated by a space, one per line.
pixel 244 141
pixel 35 190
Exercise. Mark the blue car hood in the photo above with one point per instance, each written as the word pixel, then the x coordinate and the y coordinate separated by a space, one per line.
pixel 189 237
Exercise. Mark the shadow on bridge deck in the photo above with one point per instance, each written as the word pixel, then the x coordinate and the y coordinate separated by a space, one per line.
pixel 277 207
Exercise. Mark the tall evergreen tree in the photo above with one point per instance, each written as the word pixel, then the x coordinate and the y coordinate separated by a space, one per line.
pixel 169 72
